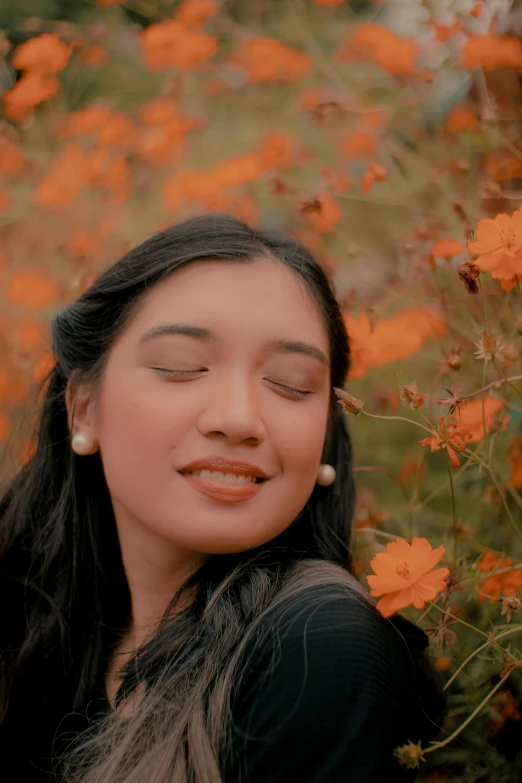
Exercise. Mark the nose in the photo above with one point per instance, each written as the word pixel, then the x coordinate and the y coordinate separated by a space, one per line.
pixel 232 410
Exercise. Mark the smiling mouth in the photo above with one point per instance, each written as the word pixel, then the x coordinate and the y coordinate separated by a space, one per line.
pixel 225 487
pixel 227 479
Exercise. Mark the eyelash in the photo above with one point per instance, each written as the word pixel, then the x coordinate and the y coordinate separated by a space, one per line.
pixel 178 373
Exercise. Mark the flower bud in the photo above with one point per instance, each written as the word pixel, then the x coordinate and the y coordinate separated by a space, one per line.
pixel 454 360
pixel 410 395
pixel 510 606
pixel 348 402
pixel 410 755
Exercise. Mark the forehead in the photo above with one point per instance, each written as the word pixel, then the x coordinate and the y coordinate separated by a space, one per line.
pixel 236 299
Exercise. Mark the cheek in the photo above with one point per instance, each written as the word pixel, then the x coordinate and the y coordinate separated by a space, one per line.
pixel 136 434
pixel 300 439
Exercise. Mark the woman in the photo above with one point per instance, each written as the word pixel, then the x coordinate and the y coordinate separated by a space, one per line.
pixel 175 558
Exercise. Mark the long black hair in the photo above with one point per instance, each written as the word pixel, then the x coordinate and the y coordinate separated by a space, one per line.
pixel 60 561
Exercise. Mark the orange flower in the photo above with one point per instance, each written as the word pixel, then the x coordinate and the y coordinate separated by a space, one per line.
pixel 461 118
pixel 443 32
pixel 392 53
pixel 499 247
pixel 31 289
pixel 266 60
pixel 337 181
pixel 158 111
pixel 323 212
pixel 491 52
pixel 450 437
pixel 28 92
pixel 161 145
pixel 95 56
pixel 514 453
pixel 5 200
pixel 277 150
pixel 110 171
pixel 245 207
pixel 202 185
pixel 64 178
pixel 117 131
pixel 86 121
pixel 171 44
pixel 239 170
pixel 389 339
pixel 44 54
pixel 470 416
pixel 447 248
pixel 477 10
pixel 403 575
pixel 357 143
pixel 502 165
pixel 507 583
pixel 443 663
pixel 372 173
pixel 194 13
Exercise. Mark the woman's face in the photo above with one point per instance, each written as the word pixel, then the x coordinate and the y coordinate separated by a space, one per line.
pixel 226 390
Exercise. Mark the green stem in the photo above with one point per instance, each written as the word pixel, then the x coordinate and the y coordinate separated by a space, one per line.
pixel 509 632
pixel 470 717
pixel 398 418
pixel 506 380
pixel 483 399
pixel 501 494
pixel 454 513
pixel 483 300
pixel 496 382
pixel 463 622
pixel 442 486
pixel 376 532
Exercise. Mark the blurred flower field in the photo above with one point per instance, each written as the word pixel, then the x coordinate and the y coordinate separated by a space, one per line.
pixel 386 137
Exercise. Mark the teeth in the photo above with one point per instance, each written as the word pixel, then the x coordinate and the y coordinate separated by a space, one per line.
pixel 223 478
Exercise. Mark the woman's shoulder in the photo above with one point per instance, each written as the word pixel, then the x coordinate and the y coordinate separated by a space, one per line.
pixel 327 605
pixel 336 620
pixel 326 671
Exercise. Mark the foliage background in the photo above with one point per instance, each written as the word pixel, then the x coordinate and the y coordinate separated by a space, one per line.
pixel 379 134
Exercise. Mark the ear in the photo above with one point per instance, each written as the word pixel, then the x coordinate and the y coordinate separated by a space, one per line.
pixel 79 401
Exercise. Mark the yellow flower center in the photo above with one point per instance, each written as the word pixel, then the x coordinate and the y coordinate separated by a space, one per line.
pixel 403 570
pixel 507 237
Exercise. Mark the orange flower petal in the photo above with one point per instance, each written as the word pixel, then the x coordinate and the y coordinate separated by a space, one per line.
pixel 394 602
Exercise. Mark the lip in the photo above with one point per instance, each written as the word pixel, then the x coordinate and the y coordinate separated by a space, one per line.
pixel 224 465
pixel 229 493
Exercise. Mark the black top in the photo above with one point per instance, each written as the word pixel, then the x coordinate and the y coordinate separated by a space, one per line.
pixel 329 689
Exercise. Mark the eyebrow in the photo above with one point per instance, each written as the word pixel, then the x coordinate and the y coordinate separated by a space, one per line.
pixel 198 332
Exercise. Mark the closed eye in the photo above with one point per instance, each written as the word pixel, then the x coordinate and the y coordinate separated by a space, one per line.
pixel 290 390
pixel 185 373
pixel 178 373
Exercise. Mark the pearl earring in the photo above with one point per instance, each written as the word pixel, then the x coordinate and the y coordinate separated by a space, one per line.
pixel 79 442
pixel 326 475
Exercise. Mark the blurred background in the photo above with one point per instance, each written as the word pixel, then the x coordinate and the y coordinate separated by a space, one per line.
pixel 379 133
